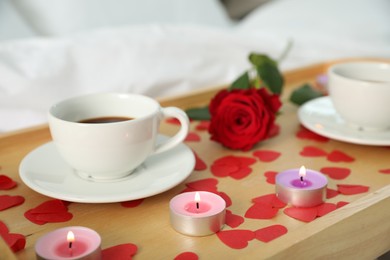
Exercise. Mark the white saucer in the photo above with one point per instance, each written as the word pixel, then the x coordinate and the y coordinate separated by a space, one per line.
pixel 44 171
pixel 319 116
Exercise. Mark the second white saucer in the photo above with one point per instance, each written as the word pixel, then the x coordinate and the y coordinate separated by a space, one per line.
pixel 319 116
pixel 44 171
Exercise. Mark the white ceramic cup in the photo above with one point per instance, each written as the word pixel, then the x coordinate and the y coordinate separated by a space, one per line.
pixel 110 151
pixel 360 92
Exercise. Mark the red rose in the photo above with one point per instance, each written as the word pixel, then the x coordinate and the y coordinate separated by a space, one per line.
pixel 241 118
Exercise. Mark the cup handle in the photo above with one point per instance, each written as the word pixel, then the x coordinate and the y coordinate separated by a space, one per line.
pixel 181 135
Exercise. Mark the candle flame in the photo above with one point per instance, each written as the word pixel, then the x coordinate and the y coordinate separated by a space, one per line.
pixel 70 237
pixel 302 172
pixel 197 197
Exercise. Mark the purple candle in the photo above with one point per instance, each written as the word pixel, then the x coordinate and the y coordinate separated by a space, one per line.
pixel 197 213
pixel 301 187
pixel 69 243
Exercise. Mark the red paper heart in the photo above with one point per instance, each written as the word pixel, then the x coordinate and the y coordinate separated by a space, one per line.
pixel 173 121
pixel 233 166
pixel 266 155
pixel 336 173
pixel 241 173
pixel 225 197
pixel 203 125
pixel 325 208
pixel 209 184
pixel 122 251
pixel 260 211
pixel 270 233
pixel 49 211
pixel 16 242
pixel 187 256
pixel 269 200
pixel 192 137
pixel 302 214
pixel 233 220
pixel 331 193
pixel 132 203
pixel 385 171
pixel 6 183
pixel 236 239
pixel 7 201
pixel 304 133
pixel 338 156
pixel 349 189
pixel 311 151
pixel 200 165
pixel 341 204
pixel 270 176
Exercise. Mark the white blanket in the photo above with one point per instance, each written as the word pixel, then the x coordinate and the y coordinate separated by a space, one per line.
pixel 169 58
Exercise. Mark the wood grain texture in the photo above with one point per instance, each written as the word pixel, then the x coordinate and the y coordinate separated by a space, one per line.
pixel 359 230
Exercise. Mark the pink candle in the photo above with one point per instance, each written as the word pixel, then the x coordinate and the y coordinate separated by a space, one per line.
pixel 197 213
pixel 301 187
pixel 69 243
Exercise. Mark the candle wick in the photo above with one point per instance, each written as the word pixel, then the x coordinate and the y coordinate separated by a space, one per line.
pixel 70 245
pixel 301 178
pixel 197 205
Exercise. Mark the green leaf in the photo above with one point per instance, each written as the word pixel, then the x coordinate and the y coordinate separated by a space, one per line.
pixel 304 94
pixel 268 72
pixel 241 82
pixel 201 113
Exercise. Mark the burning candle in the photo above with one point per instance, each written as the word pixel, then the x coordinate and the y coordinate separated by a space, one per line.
pixel 197 213
pixel 69 243
pixel 301 187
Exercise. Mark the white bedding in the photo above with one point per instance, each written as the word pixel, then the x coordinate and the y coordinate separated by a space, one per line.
pixel 45 61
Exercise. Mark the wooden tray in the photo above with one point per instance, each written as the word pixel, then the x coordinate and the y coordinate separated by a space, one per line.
pixel 360 229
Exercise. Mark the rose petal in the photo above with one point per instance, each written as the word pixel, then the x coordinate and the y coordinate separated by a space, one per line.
pixel 122 251
pixel 233 220
pixel 325 208
pixel 336 173
pixel 270 176
pixel 349 189
pixel 274 131
pixel 6 183
pixel 7 201
pixel 302 214
pixel 269 200
pixel 311 151
pixel 236 239
pixel 266 155
pixel 192 137
pixel 132 203
pixel 260 211
pixel 270 233
pixel 338 156
pixel 187 256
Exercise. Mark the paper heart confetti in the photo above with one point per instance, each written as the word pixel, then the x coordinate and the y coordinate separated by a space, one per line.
pixel 270 176
pixel 122 251
pixel 236 167
pixel 6 183
pixel 385 171
pixel 132 203
pixel 304 133
pixel 173 121
pixel 200 165
pixel 350 189
pixel 187 256
pixel 192 137
pixel 208 184
pixel 339 156
pixel 16 242
pixel 336 173
pixel 50 211
pixel 302 214
pixel 236 239
pixel 270 233
pixel 225 197
pixel 269 200
pixel 311 151
pixel 325 208
pixel 7 201
pixel 266 155
pixel 261 211
pixel 331 193
pixel 341 204
pixel 203 126
pixel 233 220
